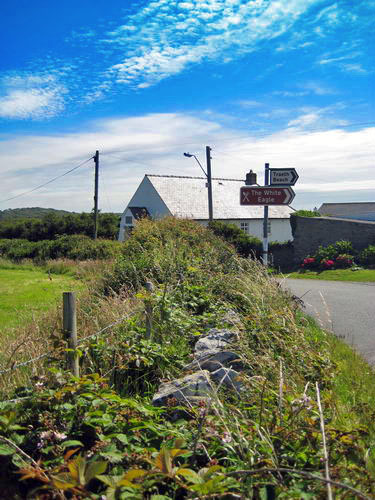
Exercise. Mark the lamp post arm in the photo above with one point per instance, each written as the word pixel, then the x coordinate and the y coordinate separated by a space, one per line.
pixel 199 163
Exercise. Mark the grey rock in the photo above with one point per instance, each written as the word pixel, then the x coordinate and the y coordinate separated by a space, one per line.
pixel 227 377
pixel 232 318
pixel 189 389
pixel 215 340
pixel 212 360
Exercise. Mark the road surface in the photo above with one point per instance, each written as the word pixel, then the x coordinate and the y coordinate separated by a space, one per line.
pixel 345 308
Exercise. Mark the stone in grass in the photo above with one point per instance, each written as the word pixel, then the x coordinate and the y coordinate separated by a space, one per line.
pixel 233 318
pixel 190 389
pixel 214 359
pixel 216 339
pixel 227 377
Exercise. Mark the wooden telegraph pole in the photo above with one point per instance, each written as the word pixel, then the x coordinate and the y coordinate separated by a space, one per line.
pixel 209 183
pixel 96 160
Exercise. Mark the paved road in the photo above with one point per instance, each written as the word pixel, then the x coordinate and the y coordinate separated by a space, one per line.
pixel 345 308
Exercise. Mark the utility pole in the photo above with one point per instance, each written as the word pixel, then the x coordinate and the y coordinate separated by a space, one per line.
pixel 265 220
pixel 209 183
pixel 96 160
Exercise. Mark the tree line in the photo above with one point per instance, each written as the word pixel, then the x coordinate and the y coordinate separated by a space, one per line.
pixel 51 226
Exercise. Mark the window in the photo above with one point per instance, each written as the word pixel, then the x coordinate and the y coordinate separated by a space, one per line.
pixel 244 226
pixel 128 219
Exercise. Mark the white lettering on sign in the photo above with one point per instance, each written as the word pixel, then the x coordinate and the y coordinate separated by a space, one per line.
pixel 265 201
pixel 265 192
pixel 281 175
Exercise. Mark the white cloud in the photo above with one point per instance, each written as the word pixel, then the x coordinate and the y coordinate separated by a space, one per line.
pixel 318 118
pixel 307 88
pixel 327 161
pixel 355 68
pixel 219 30
pixel 317 88
pixel 32 96
pixel 245 103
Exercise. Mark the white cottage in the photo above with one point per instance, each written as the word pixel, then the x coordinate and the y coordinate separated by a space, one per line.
pixel 186 197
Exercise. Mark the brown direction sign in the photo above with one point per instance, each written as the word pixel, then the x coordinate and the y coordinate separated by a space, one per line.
pixel 266 195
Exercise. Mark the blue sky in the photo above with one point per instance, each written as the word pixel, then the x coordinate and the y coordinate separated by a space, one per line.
pixel 289 82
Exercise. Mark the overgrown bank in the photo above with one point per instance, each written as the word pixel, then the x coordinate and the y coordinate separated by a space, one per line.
pixel 121 447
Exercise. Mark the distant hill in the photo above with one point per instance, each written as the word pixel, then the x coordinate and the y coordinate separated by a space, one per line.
pixel 29 213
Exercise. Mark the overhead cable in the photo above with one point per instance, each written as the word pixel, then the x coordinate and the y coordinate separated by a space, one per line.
pixel 48 182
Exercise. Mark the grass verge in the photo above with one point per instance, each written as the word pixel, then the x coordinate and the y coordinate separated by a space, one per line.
pixel 27 290
pixel 361 275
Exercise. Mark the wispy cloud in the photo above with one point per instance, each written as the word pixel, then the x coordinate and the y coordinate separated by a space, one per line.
pixel 246 103
pixel 34 96
pixel 306 88
pixel 319 118
pixel 163 39
pixel 157 39
pixel 354 68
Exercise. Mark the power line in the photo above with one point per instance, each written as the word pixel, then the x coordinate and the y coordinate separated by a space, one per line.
pixel 48 182
pixel 128 159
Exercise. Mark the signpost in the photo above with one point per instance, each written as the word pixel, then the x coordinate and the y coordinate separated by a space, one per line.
pixel 266 195
pixel 272 193
pixel 283 176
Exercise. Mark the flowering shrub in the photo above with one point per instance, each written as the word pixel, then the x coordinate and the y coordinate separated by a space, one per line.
pixel 339 255
pixel 327 263
pixel 308 263
pixel 343 261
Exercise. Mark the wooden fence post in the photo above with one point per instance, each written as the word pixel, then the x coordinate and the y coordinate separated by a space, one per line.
pixel 70 330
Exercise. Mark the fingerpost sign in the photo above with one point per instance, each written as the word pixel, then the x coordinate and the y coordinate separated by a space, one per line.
pixel 283 176
pixel 266 195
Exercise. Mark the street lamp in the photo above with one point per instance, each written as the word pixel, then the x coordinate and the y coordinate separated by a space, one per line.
pixel 208 176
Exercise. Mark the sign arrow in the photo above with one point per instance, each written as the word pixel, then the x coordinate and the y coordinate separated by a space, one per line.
pixel 283 176
pixel 266 195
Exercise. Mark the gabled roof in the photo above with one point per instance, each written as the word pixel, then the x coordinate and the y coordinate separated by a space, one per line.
pixel 187 197
pixel 362 210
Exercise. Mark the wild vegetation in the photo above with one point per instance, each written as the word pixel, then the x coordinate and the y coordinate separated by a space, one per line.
pixel 99 437
pixel 52 225
pixel 75 247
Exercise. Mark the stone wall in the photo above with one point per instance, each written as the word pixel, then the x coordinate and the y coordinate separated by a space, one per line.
pixel 311 232
pixel 282 258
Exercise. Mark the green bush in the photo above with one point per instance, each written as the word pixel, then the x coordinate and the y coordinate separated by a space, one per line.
pixel 17 250
pixel 367 256
pixel 166 252
pixel 306 213
pixel 51 226
pixel 339 255
pixel 75 247
pixel 244 244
